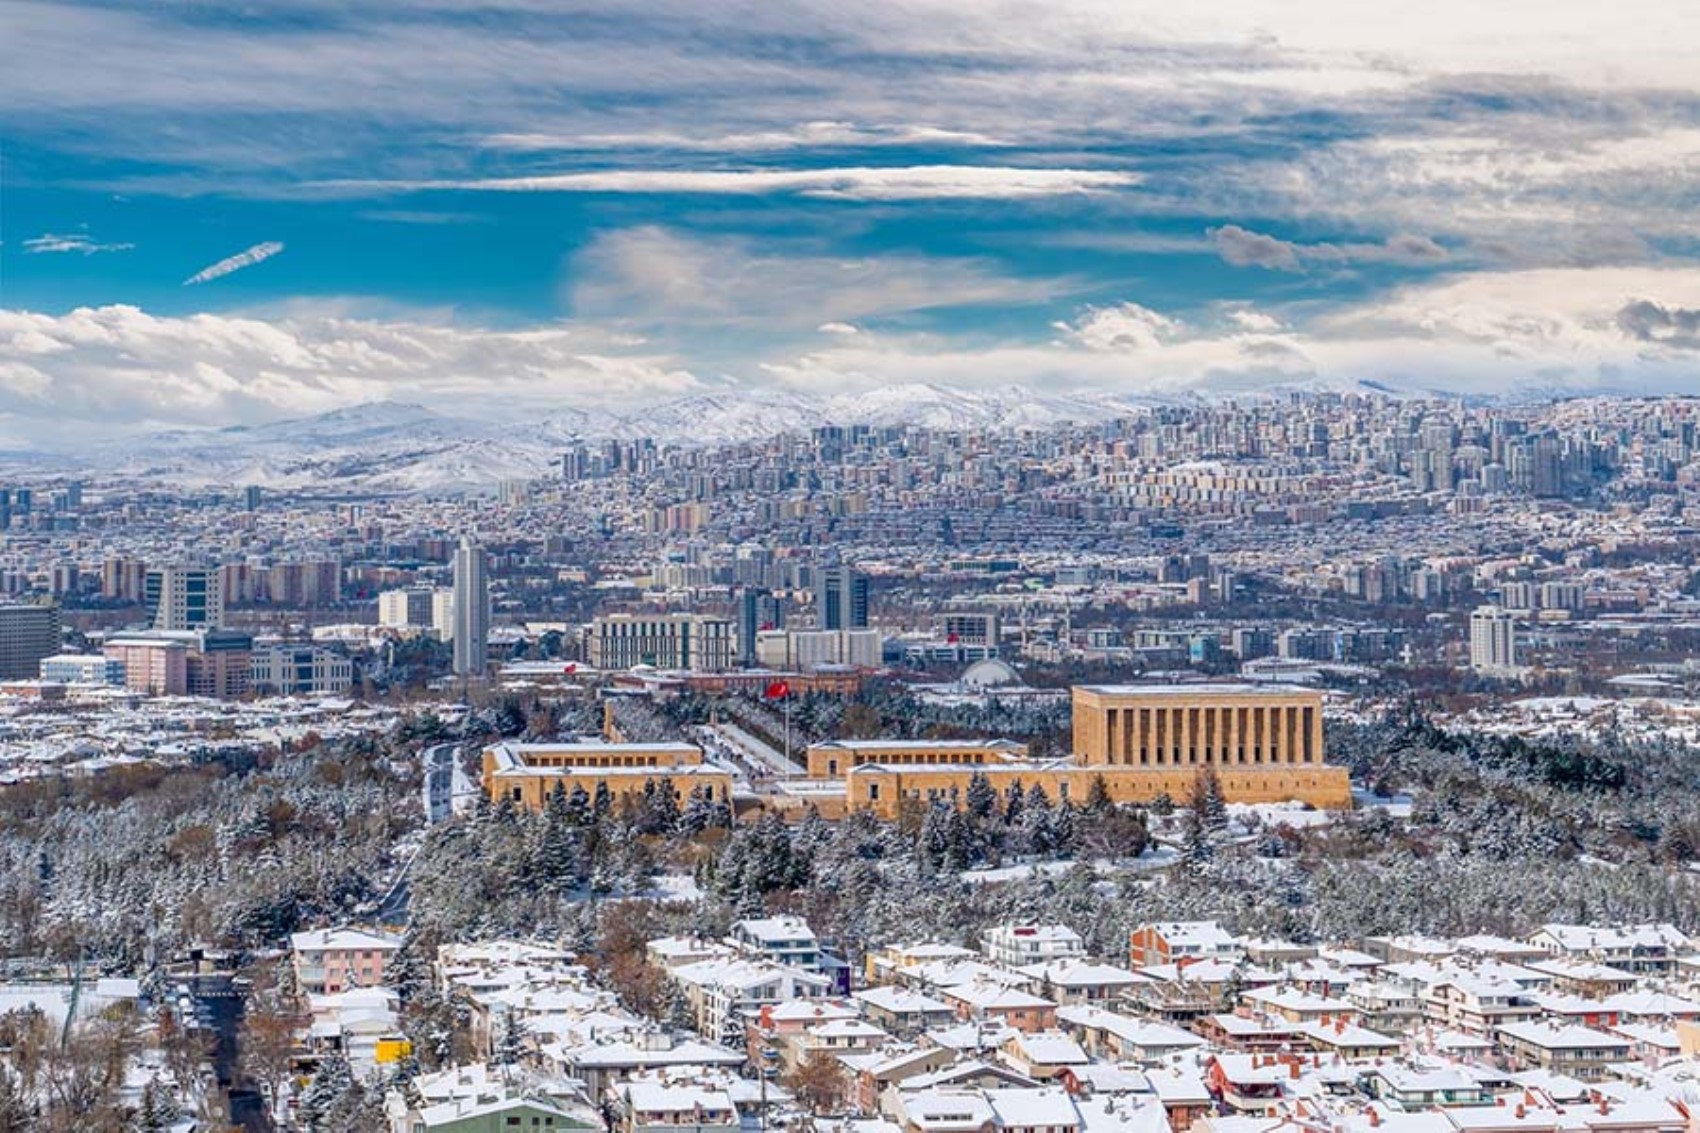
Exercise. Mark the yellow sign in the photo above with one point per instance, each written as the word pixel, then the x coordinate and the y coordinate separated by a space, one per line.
pixel 393 1050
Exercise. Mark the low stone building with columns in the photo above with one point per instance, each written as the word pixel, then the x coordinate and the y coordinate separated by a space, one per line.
pixel 1264 744
pixel 1197 725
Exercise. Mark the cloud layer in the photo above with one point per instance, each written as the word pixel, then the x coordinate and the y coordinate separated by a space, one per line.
pixel 1513 333
pixel 1236 193
pixel 114 366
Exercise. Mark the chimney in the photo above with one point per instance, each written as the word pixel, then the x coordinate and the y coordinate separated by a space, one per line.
pixel 1374 1118
pixel 1521 1111
pixel 1293 1070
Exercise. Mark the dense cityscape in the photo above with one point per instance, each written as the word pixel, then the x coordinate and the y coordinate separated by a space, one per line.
pixel 1317 761
pixel 918 566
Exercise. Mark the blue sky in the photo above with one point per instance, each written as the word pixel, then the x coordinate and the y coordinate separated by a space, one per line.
pixel 512 206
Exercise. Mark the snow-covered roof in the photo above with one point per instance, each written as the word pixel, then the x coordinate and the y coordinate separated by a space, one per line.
pixel 343 940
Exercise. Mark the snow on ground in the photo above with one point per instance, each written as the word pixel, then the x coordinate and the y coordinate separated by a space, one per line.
pixel 1155 858
pixel 1396 806
pixel 674 887
pixel 1296 815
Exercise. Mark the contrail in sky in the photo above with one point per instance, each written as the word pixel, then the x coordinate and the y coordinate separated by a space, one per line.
pixel 236 263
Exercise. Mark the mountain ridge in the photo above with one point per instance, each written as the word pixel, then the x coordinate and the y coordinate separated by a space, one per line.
pixel 400 446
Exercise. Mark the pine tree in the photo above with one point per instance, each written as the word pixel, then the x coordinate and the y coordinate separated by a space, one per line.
pixel 1036 820
pixel 156 1112
pixel 1012 803
pixel 1207 800
pixel 578 806
pixel 663 807
pixel 1065 830
pixel 960 842
pixel 721 815
pixel 982 797
pixel 510 1046
pixel 698 812
pixel 1098 796
pixel 603 805
pixel 324 1094
pixel 555 806
pixel 1196 850
pixel 933 841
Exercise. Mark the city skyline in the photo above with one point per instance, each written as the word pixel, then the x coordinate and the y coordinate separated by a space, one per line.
pixel 221 219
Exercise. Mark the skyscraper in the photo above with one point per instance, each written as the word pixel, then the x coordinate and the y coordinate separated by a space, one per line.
pixel 841 599
pixel 28 633
pixel 471 610
pixel 758 610
pixel 1493 640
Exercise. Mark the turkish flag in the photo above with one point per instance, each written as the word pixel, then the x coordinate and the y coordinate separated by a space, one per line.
pixel 952 639
pixel 777 690
pixel 570 668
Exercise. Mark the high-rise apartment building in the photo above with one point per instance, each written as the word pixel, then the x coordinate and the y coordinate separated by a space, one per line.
pixel 841 599
pixel 443 613
pixel 28 634
pixel 411 608
pixel 758 612
pixel 1493 640
pixel 183 598
pixel 471 610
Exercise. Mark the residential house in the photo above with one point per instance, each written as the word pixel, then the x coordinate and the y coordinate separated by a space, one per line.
pixel 650 1107
pixel 1124 1038
pixel 1015 946
pixel 903 1011
pixel 328 961
pixel 1042 1055
pixel 784 940
pixel 996 1002
pixel 1173 941
pixel 1579 1052
pixel 1078 980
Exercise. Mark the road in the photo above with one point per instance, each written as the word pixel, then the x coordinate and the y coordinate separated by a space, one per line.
pixel 757 755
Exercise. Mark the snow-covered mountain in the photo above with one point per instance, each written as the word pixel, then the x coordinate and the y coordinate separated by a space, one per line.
pixel 395 446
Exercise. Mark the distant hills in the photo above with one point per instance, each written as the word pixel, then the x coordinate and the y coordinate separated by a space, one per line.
pixel 394 446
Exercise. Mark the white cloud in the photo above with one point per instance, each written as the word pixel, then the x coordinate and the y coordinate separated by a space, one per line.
pixel 856 183
pixel 1568 330
pixel 1537 331
pixel 1245 248
pixel 1247 318
pixel 119 366
pixel 240 260
pixel 809 135
pixel 78 242
pixel 1125 327
pixel 651 273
